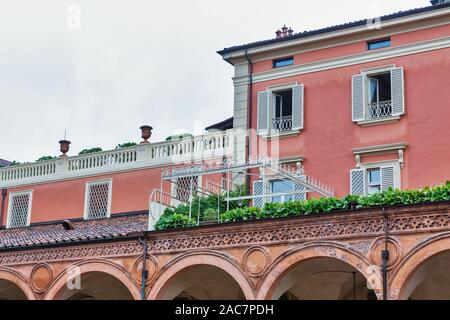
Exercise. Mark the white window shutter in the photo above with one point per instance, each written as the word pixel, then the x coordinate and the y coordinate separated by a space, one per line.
pixel 390 177
pixel 263 112
pixel 298 109
pixel 300 187
pixel 258 187
pixel 358 182
pixel 358 101
pixel 397 91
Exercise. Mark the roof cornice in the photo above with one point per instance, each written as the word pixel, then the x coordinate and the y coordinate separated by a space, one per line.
pixel 334 32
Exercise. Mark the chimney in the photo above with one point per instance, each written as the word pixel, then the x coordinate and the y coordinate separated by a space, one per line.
pixel 438 2
pixel 284 32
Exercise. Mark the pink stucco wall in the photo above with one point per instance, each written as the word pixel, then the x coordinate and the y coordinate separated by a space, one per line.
pixel 329 134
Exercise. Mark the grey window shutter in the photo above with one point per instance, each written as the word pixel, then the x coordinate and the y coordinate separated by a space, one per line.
pixel 397 92
pixel 358 182
pixel 389 178
pixel 300 187
pixel 358 101
pixel 298 109
pixel 258 187
pixel 263 112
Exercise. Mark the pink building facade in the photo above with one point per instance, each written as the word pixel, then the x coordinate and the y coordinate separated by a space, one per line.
pixel 360 107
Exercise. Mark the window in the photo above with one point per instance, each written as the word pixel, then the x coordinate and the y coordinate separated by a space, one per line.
pixel 282 186
pixel 278 63
pixel 19 209
pixel 378 95
pixel 260 188
pixel 280 110
pixel 378 44
pixel 373 178
pixel 183 188
pixel 282 118
pixel 98 200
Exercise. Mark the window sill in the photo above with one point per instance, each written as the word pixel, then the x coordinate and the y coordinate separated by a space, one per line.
pixel 276 135
pixel 374 122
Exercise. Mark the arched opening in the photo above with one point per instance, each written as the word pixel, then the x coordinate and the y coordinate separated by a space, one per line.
pixel 95 286
pixel 10 291
pixel 322 278
pixel 202 282
pixel 431 280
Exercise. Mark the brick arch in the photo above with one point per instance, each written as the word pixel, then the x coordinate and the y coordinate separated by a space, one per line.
pixel 19 280
pixel 100 266
pixel 198 258
pixel 320 249
pixel 413 261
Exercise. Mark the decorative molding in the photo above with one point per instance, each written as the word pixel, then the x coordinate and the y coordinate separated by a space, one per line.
pixel 380 149
pixel 255 261
pixel 361 58
pixel 367 224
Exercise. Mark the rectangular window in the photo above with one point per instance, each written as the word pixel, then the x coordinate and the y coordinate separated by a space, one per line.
pixel 19 209
pixel 282 186
pixel 379 96
pixel 98 200
pixel 378 44
pixel 184 186
pixel 278 63
pixel 373 180
pixel 282 117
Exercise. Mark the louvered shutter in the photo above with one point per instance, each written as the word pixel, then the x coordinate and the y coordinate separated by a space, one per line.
pixel 258 187
pixel 397 92
pixel 263 112
pixel 390 178
pixel 358 182
pixel 358 101
pixel 300 187
pixel 298 107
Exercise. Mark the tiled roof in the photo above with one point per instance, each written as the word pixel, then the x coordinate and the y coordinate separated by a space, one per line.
pixel 4 163
pixel 54 233
pixel 348 25
pixel 223 125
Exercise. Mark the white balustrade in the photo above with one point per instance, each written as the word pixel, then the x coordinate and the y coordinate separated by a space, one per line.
pixel 141 156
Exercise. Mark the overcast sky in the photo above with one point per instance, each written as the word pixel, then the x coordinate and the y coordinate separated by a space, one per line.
pixel 135 62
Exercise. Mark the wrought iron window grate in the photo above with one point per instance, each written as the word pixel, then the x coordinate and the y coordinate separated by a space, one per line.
pixel 98 199
pixel 380 109
pixel 282 124
pixel 183 188
pixel 19 210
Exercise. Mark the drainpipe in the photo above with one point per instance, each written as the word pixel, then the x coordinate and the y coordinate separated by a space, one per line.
pixel 143 242
pixel 2 208
pixel 249 118
pixel 385 252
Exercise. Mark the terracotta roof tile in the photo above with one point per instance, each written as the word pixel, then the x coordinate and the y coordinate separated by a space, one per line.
pixel 44 234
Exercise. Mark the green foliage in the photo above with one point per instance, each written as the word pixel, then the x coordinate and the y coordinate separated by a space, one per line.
pixel 179 136
pixel 205 206
pixel 15 163
pixel 92 150
pixel 173 218
pixel 45 158
pixel 126 145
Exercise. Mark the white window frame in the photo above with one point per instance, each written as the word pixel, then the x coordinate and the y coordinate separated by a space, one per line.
pixel 367 74
pixel 10 200
pixel 380 164
pixel 272 108
pixel 86 197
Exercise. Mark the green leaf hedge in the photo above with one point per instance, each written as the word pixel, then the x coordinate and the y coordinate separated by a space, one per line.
pixel 179 217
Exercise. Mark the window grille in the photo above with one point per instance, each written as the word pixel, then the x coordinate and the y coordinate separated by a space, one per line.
pixel 98 200
pixel 183 188
pixel 19 210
